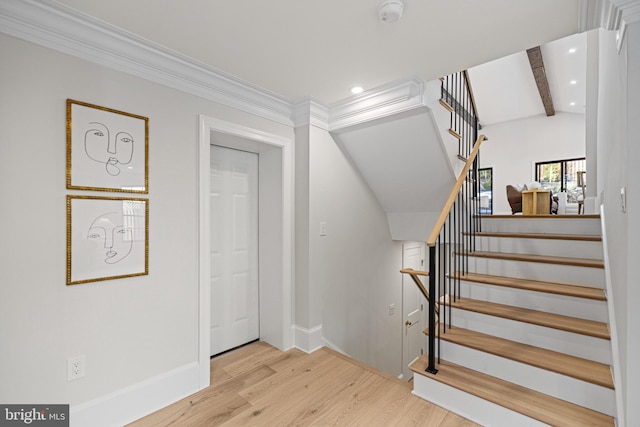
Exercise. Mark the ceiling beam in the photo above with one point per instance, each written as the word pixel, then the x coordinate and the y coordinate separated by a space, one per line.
pixel 537 66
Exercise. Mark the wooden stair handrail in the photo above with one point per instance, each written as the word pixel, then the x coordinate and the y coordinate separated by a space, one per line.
pixel 414 275
pixel 435 232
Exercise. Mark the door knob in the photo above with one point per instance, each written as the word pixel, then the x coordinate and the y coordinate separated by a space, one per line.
pixel 408 323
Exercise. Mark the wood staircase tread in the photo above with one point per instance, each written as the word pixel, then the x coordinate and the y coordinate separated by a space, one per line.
pixel 560 363
pixel 570 324
pixel 548 236
pixel 563 216
pixel 455 134
pixel 546 259
pixel 537 286
pixel 533 404
pixel 446 105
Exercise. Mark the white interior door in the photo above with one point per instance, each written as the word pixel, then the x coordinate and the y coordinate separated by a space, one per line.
pixel 413 305
pixel 234 248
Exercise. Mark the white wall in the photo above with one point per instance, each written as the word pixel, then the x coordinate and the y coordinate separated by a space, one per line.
pixel 618 151
pixel 514 147
pixel 130 330
pixel 353 271
pixel 633 230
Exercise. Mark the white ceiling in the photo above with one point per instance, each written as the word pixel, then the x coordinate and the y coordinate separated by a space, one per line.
pixel 505 89
pixel 321 48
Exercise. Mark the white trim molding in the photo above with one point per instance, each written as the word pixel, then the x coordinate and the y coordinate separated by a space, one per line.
pixel 308 340
pixel 608 14
pixel 616 366
pixel 131 403
pixel 310 112
pixel 276 306
pixel 59 27
pixel 56 26
pixel 393 98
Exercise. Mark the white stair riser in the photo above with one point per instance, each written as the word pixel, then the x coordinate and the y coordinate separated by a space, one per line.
pixel 550 247
pixel 583 276
pixel 588 226
pixel 578 345
pixel 469 406
pixel 579 392
pixel 558 304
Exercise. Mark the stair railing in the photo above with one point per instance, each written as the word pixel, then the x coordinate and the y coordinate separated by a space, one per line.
pixel 450 242
pixel 453 235
pixel 456 96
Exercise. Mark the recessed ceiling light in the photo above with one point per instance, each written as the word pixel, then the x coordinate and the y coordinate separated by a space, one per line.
pixel 572 50
pixel 356 90
pixel 572 104
pixel 573 82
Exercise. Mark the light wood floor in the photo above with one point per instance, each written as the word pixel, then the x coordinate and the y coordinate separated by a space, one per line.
pixel 258 385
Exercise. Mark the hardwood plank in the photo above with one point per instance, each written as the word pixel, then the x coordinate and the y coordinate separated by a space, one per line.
pixel 578 262
pixel 252 361
pixel 220 403
pixel 221 361
pixel 322 388
pixel 284 379
pixel 299 401
pixel 517 217
pixel 575 367
pixel 446 105
pixel 416 415
pixel 286 359
pixel 455 134
pixel 548 236
pixel 531 403
pixel 540 318
pixel 369 368
pixel 388 405
pixel 537 286
pixel 358 400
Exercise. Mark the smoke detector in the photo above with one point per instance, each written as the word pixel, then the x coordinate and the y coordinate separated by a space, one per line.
pixel 390 11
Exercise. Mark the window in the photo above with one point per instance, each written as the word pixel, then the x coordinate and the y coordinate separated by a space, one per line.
pixel 486 191
pixel 561 175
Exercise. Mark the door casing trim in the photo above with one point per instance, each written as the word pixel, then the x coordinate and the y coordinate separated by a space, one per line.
pixel 276 173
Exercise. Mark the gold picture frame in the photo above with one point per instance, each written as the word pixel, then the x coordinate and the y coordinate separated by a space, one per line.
pixel 107 238
pixel 107 149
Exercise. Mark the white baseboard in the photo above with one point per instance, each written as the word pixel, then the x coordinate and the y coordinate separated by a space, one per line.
pixel 136 401
pixel 334 347
pixel 307 340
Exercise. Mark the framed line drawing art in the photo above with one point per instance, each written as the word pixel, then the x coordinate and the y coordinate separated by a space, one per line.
pixel 107 150
pixel 107 238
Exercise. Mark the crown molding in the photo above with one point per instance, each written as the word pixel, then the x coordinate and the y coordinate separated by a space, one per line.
pixel 308 111
pixel 608 14
pixel 53 25
pixel 393 98
pixel 630 10
pixel 56 26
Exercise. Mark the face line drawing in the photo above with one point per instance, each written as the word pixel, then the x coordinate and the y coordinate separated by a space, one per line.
pixel 101 148
pixel 117 241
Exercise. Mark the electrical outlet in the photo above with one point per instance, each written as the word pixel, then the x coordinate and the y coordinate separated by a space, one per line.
pixel 392 309
pixel 75 368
